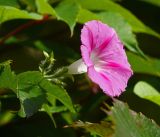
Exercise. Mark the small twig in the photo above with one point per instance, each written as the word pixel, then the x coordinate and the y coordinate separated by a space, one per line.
pixel 22 27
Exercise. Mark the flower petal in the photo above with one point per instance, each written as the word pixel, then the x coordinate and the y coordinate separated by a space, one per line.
pixel 118 75
pixel 105 58
pixel 114 52
pixel 94 33
pixel 104 82
pixel 113 81
pixel 86 55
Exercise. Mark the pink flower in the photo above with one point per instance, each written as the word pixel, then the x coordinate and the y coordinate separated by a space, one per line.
pixel 103 58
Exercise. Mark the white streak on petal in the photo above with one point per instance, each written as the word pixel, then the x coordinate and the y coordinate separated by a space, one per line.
pixel 77 67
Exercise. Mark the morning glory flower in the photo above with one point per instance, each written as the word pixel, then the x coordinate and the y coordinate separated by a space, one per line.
pixel 103 58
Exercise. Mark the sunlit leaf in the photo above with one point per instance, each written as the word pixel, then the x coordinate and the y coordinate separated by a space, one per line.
pixel 146 91
pixel 6 117
pixel 9 13
pixel 85 15
pixel 67 11
pixel 58 93
pixel 55 109
pixel 44 7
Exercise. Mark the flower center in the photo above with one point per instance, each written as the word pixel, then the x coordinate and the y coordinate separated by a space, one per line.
pixel 96 61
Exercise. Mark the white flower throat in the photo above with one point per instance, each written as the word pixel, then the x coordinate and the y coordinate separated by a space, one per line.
pixel 79 67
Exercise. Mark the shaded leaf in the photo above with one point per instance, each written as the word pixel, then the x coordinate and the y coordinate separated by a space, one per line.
pixel 47 110
pixel 103 129
pixel 53 109
pixel 109 5
pixel 145 66
pixel 31 95
pixel 67 53
pixel 7 77
pixel 131 124
pixel 154 2
pixel 146 91
pixel 29 104
pixel 34 91
pixel 13 3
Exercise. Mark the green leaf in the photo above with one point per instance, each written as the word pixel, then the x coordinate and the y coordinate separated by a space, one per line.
pixel 154 2
pixel 103 129
pixel 5 63
pixel 31 95
pixel 85 15
pixel 30 4
pixel 131 124
pixel 13 3
pixel 6 117
pixel 47 110
pixel 7 77
pixel 69 17
pixel 53 109
pixel 109 5
pixel 67 11
pixel 34 92
pixel 44 7
pixel 58 93
pixel 145 66
pixel 123 29
pixel 25 85
pixel 9 13
pixel 146 91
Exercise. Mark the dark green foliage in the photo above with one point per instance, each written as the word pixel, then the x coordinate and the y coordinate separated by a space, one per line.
pixel 34 99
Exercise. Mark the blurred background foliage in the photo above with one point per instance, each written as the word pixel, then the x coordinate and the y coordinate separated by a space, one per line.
pixel 27 27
